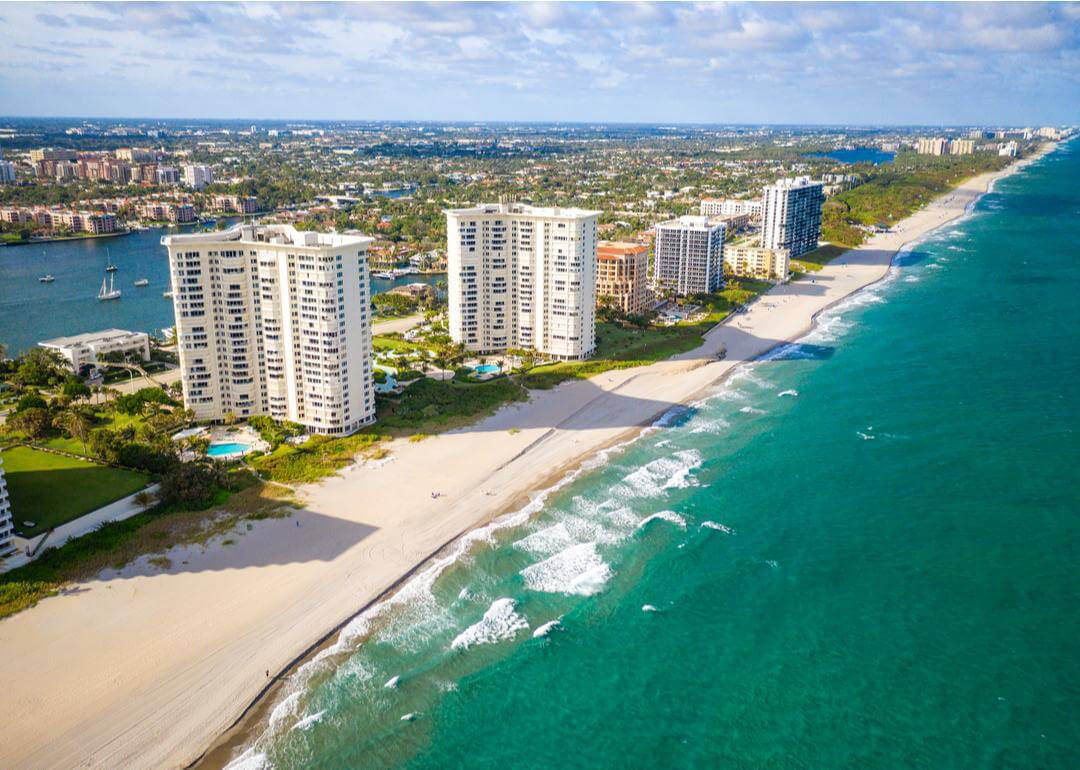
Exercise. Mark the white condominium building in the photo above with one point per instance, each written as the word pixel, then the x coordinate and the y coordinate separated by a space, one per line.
pixel 792 215
pixel 198 177
pixel 523 277
pixel 272 320
pixel 688 255
pixel 933 146
pixel 726 207
pixel 7 529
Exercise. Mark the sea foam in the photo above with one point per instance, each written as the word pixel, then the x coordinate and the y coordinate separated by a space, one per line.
pixel 578 570
pixel 500 622
pixel 669 516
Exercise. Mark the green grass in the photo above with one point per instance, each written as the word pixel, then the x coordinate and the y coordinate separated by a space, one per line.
pixel 383 342
pixel 317 458
pixel 432 406
pixel 111 420
pixel 624 347
pixel 813 261
pixel 51 490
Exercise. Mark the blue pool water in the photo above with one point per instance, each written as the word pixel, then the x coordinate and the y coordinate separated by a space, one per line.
pixel 486 369
pixel 226 449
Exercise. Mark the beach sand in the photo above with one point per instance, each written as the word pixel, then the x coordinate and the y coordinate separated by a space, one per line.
pixel 147 667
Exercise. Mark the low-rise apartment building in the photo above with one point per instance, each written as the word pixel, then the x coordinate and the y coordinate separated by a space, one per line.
pixel 749 260
pixel 80 349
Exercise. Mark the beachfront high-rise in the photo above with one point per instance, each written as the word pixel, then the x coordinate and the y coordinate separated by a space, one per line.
pixel 276 321
pixel 791 215
pixel 7 529
pixel 688 255
pixel 522 277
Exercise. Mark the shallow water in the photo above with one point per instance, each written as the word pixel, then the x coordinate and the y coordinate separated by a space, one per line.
pixel 861 552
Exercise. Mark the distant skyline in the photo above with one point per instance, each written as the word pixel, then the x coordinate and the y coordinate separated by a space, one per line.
pixel 830 64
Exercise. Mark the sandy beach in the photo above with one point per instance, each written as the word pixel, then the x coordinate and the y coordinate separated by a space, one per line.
pixel 146 667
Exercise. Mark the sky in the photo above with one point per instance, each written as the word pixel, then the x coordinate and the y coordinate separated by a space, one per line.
pixel 828 63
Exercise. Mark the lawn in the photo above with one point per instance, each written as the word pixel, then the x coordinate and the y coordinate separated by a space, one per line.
pixel 110 420
pixel 51 490
pixel 623 347
pixel 812 261
pixel 432 406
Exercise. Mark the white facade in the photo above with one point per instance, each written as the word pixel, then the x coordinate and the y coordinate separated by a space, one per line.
pixel 7 529
pixel 792 215
pixel 198 177
pixel 1009 149
pixel 271 320
pixel 724 207
pixel 82 349
pixel 933 146
pixel 688 255
pixel 523 277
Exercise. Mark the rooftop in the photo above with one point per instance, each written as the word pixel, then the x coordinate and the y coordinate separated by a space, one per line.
pixel 88 337
pixel 527 210
pixel 691 222
pixel 279 234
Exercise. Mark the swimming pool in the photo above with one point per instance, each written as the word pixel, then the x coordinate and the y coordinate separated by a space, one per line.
pixel 486 369
pixel 227 449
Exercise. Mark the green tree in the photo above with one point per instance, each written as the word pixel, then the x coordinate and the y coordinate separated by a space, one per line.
pixel 34 422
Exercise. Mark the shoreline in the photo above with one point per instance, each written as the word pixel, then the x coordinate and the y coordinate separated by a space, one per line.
pixel 59 239
pixel 246 726
pixel 187 666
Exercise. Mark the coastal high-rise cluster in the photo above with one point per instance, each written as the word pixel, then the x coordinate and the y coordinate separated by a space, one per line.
pixel 523 277
pixel 274 321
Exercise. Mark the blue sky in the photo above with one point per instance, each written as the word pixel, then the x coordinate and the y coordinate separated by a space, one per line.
pixel 1010 63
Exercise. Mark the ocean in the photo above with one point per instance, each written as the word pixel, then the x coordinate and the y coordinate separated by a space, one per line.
pixel 31 311
pixel 861 552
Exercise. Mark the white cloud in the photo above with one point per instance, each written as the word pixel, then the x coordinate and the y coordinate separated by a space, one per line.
pixel 652 61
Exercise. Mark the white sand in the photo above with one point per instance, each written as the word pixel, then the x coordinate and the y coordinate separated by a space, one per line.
pixel 146 667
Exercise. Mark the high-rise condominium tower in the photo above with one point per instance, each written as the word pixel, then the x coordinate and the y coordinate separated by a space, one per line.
pixel 523 277
pixel 271 320
pixel 791 217
pixel 7 529
pixel 688 257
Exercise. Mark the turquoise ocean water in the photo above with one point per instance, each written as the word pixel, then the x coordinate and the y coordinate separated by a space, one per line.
pixel 861 553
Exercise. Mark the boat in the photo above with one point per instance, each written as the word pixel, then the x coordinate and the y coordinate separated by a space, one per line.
pixel 167 294
pixel 47 278
pixel 111 293
pixel 382 274
pixel 143 282
pixel 109 268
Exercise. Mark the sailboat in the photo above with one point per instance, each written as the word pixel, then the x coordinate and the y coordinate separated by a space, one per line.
pixel 111 293
pixel 48 277
pixel 109 268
